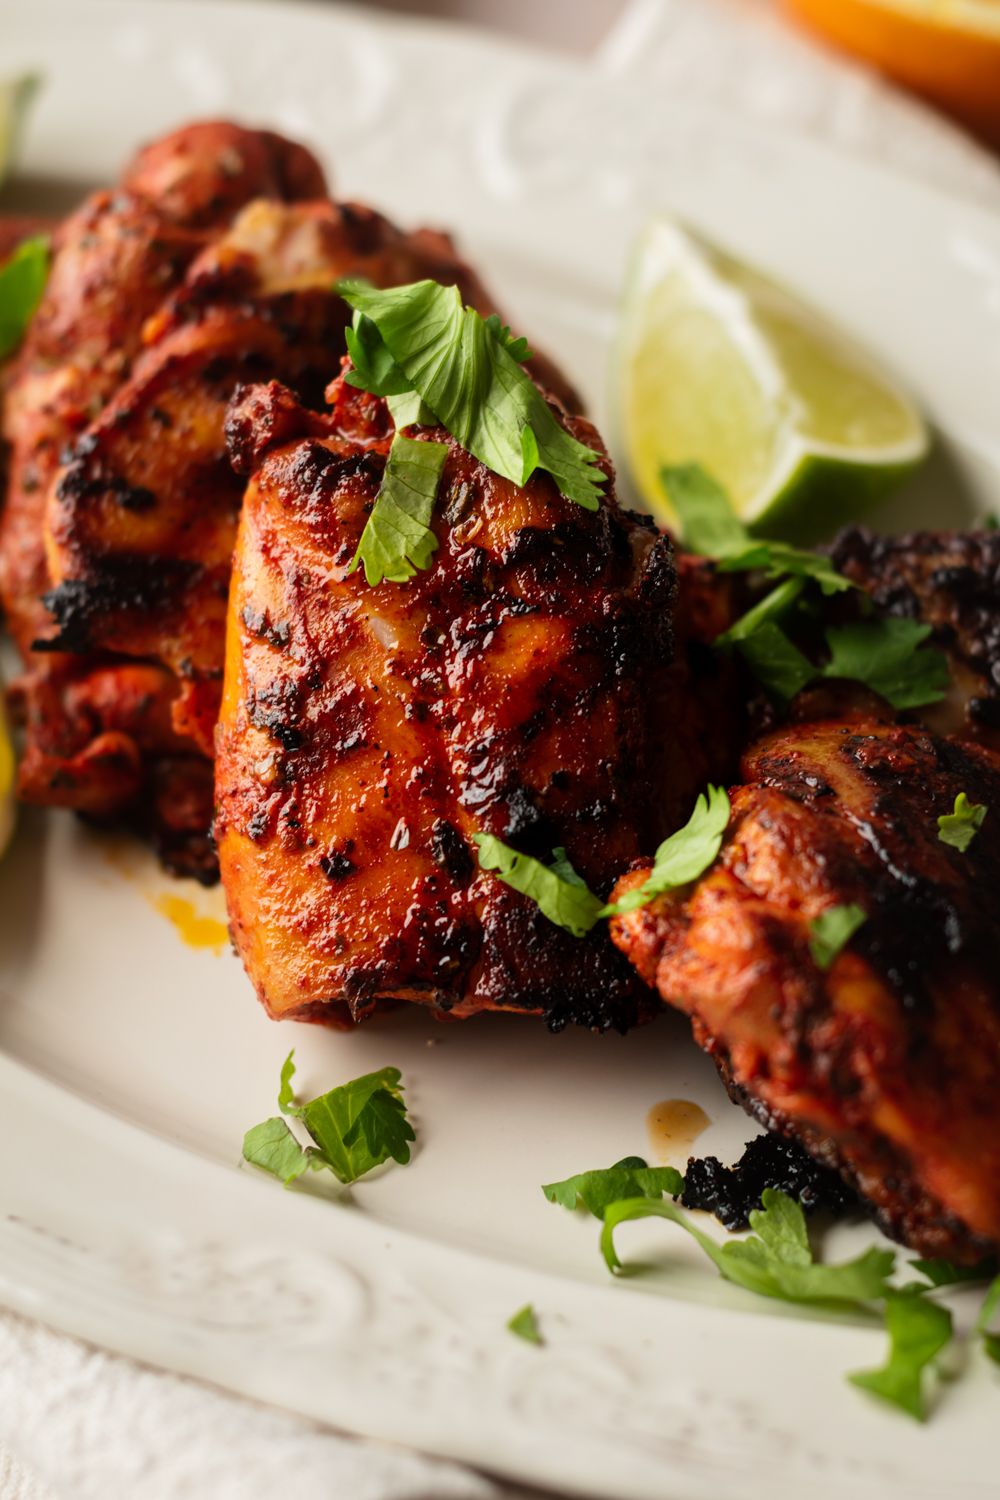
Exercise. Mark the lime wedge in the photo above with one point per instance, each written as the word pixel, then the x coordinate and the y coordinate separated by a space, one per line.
pixel 7 803
pixel 717 364
pixel 15 96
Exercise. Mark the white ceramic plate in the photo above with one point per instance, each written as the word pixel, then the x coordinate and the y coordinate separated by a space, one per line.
pixel 130 1065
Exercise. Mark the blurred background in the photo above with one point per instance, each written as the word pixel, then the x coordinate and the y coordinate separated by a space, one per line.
pixel 947 52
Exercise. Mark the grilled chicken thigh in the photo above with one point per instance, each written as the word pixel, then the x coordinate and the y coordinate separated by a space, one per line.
pixel 100 730
pixel 516 687
pixel 887 1065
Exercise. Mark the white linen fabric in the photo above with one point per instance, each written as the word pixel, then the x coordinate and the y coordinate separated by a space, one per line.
pixel 79 1424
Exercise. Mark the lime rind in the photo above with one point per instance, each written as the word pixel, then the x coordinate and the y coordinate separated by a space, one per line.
pixel 719 364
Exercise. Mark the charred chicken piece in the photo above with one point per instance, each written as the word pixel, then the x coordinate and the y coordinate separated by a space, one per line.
pixel 887 1065
pixel 517 686
pixel 91 744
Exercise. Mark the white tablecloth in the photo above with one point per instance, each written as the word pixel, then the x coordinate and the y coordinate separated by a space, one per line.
pixel 79 1424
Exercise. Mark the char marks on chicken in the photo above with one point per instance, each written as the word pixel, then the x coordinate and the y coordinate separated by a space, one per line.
pixel 515 687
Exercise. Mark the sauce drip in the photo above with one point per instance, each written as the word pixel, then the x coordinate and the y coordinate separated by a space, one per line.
pixel 672 1126
pixel 195 930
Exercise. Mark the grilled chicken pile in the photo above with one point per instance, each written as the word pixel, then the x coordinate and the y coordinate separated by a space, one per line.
pixel 550 678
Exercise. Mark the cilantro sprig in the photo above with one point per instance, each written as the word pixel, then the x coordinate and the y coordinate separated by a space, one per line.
pixel 918 1329
pixel 397 539
pixel 683 856
pixel 467 371
pixel 557 890
pixel 710 527
pixel 22 281
pixel 832 930
pixel 959 827
pixel 632 1177
pixel 889 656
pixel 352 1129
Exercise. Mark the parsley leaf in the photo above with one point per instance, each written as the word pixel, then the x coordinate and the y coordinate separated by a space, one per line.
pixel 556 889
pixel 353 1128
pixel 942 1273
pixel 775 1261
pixel 467 371
pixel 884 655
pixel 832 929
pixel 991 1303
pixel 710 527
pixel 525 1324
pixel 629 1178
pixel 918 1330
pixel 375 370
pixel 397 539
pixel 683 856
pixel 960 827
pixel 22 281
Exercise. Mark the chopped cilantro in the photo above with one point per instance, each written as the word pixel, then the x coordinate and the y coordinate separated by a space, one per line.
pixel 397 539
pixel 556 889
pixel 832 929
pixel 629 1178
pixel 918 1330
pixel 778 665
pixel 352 1128
pixel 467 371
pixel 764 612
pixel 775 1261
pixel 959 828
pixel 525 1324
pixel 22 281
pixel 683 856
pixel 710 527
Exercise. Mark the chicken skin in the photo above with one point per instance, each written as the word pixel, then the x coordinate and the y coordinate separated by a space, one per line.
pixel 515 687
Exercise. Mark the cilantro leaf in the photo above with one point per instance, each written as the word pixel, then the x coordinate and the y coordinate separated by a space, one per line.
pixel 272 1146
pixel 832 929
pixel 629 1178
pixel 22 281
pixel 467 372
pixel 556 889
pixel 884 655
pixel 960 827
pixel 778 664
pixel 991 1303
pixel 918 1330
pixel 397 539
pixel 375 370
pixel 708 523
pixel 353 1128
pixel 683 856
pixel 517 348
pixel 525 1324
pixel 710 527
pixel 775 1261
pixel 943 1273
